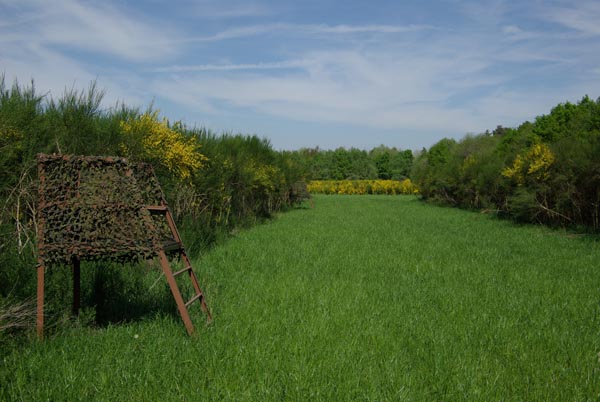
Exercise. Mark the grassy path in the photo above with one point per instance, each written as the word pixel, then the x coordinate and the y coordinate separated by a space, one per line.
pixel 361 298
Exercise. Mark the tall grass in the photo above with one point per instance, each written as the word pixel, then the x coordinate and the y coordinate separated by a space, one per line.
pixel 361 298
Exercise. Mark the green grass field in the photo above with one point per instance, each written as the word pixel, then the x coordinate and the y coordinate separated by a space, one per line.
pixel 368 298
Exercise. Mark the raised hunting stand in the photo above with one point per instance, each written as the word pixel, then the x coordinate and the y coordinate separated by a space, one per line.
pixel 103 208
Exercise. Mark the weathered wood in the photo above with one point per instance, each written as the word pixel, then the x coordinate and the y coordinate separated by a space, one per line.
pixel 76 285
pixel 40 301
pixel 181 306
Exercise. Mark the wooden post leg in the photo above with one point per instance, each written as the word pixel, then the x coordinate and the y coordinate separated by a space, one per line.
pixel 194 279
pixel 183 311
pixel 76 286
pixel 40 301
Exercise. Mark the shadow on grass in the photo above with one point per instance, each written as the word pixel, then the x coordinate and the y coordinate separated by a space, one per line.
pixel 121 293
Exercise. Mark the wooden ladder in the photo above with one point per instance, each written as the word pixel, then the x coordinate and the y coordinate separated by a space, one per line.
pixel 176 246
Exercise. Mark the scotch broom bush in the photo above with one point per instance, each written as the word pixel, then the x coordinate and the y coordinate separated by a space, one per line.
pixel 154 140
pixel 361 187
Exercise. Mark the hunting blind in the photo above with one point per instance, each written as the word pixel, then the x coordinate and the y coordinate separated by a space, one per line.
pixel 106 208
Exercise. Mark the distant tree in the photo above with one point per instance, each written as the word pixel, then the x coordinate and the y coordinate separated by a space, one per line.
pixel 382 162
pixel 439 153
pixel 499 131
pixel 401 164
pixel 361 166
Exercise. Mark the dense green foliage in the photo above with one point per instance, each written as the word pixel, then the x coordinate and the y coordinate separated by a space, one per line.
pixel 361 298
pixel 214 184
pixel 381 162
pixel 547 171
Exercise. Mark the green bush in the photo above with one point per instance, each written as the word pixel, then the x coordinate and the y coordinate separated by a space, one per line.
pixel 545 172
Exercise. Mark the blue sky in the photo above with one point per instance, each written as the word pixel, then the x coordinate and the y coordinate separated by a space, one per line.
pixel 310 73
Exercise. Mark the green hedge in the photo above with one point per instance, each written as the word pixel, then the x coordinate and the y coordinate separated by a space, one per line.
pixel 546 171
pixel 242 180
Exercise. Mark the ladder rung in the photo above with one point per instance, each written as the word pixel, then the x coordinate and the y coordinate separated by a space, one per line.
pixel 172 246
pixel 157 208
pixel 193 299
pixel 181 271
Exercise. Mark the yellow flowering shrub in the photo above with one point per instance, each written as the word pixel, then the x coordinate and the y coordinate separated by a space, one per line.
pixel 469 162
pixel 267 178
pixel 178 153
pixel 360 187
pixel 535 164
pixel 515 171
pixel 10 136
pixel 540 158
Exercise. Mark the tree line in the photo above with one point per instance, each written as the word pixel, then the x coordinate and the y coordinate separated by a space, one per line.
pixel 382 162
pixel 546 171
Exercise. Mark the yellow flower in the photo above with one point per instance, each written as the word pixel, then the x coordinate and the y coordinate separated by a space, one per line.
pixel 541 158
pixel 515 171
pixel 535 164
pixel 178 153
pixel 362 187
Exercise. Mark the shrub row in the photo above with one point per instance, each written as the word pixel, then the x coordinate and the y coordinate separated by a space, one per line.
pixel 360 187
pixel 546 171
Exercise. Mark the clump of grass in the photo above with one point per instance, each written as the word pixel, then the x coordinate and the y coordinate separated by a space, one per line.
pixel 16 315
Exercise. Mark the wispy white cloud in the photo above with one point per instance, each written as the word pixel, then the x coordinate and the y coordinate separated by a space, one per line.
pixel 490 12
pixel 224 10
pixel 89 27
pixel 304 29
pixel 582 16
pixel 233 33
pixel 442 77
pixel 450 83
pixel 511 30
pixel 50 70
pixel 372 89
pixel 350 29
pixel 45 41
pixel 230 67
pixel 53 73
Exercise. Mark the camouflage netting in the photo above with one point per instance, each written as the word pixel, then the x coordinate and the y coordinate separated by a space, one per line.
pixel 92 208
